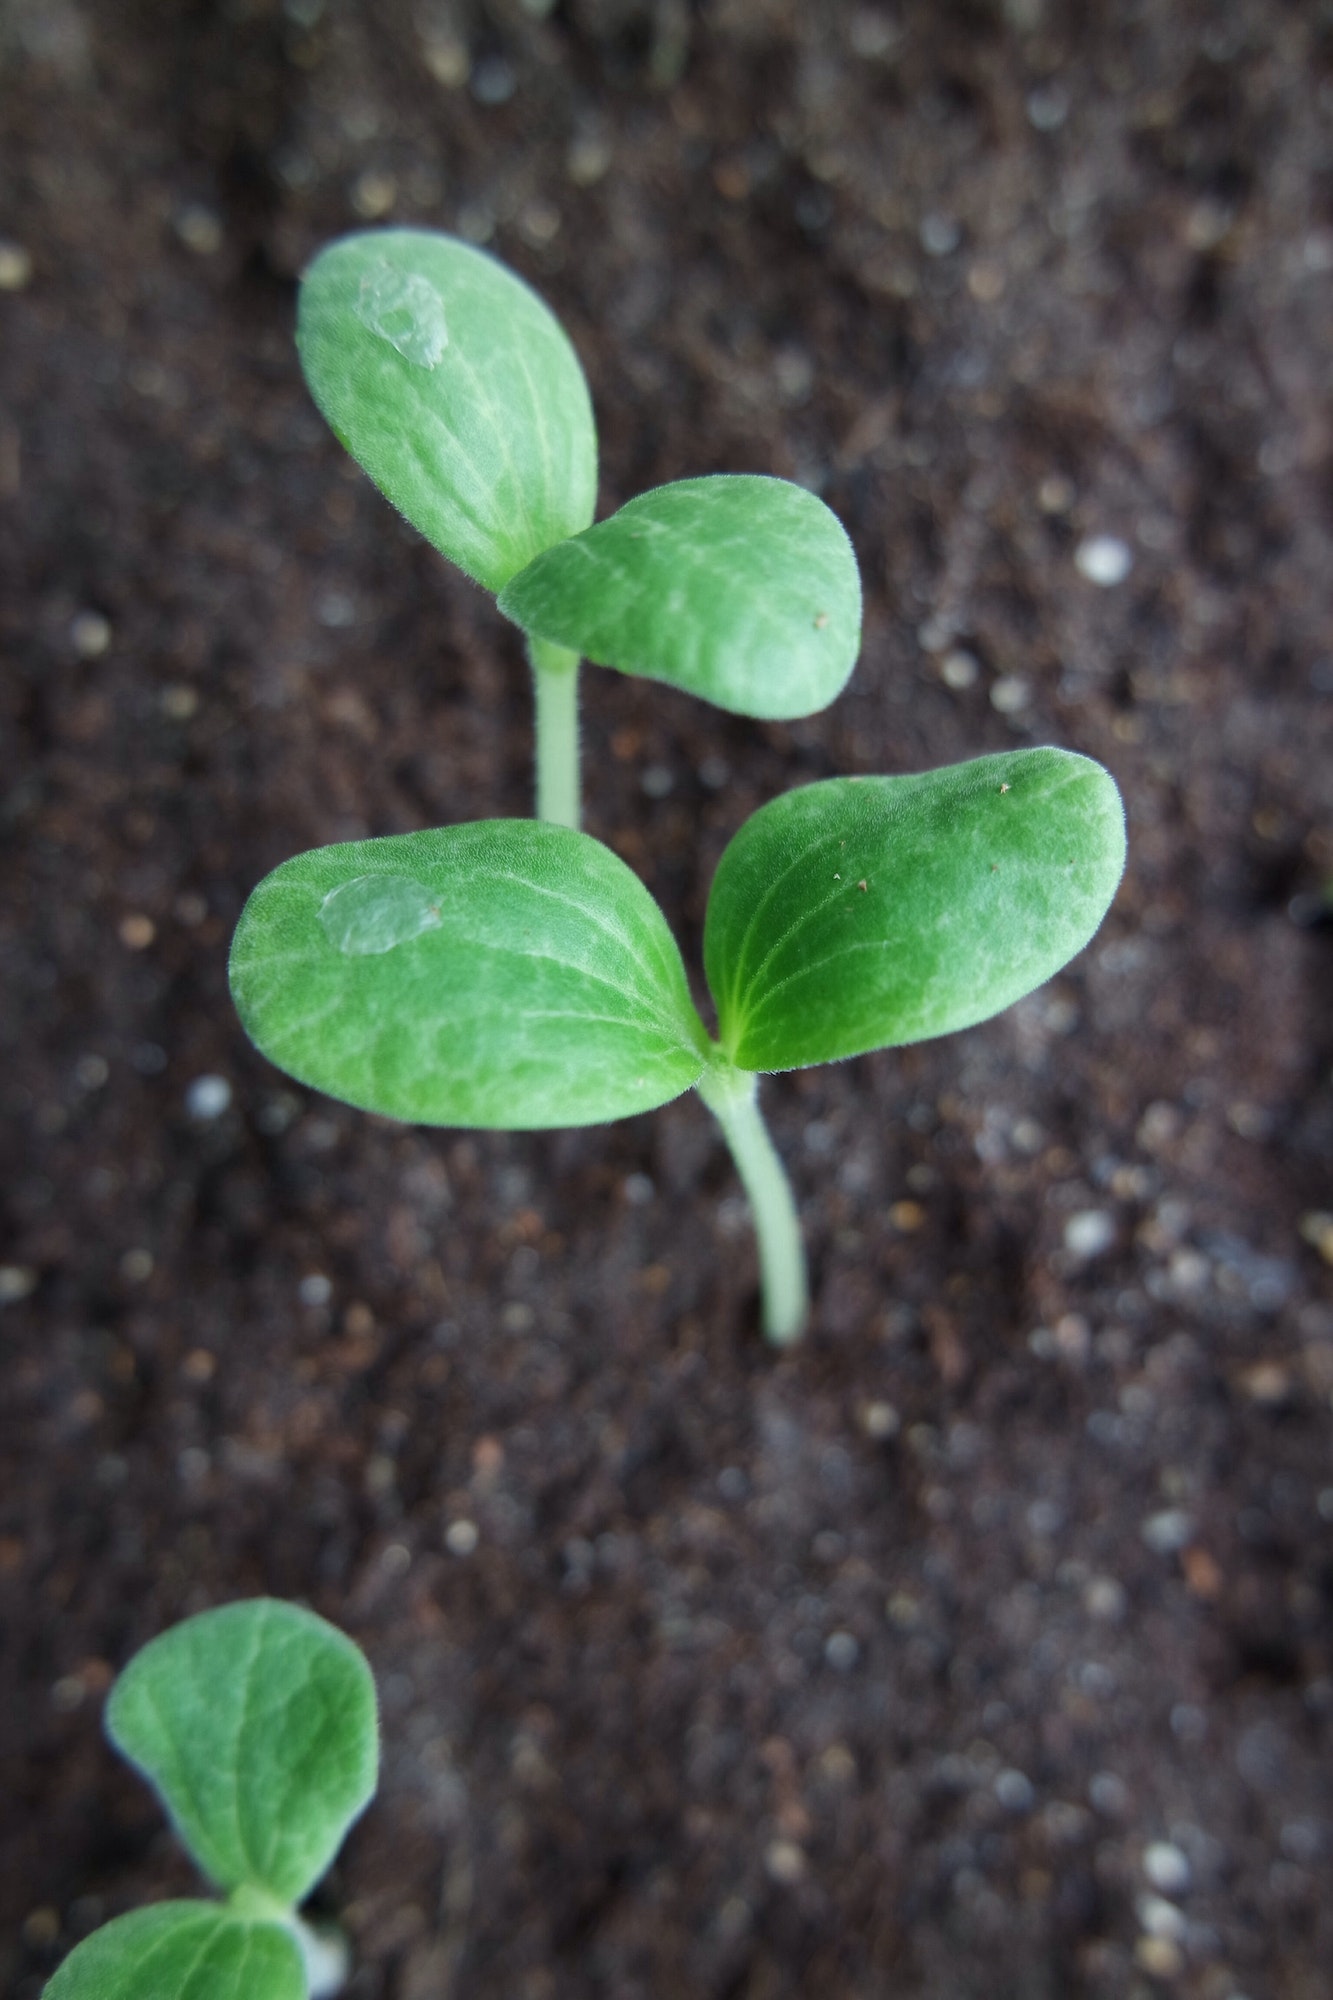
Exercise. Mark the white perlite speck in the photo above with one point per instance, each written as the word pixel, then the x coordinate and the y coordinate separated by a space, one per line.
pixel 1167 1867
pixel 461 1538
pixel 1089 1232
pixel 208 1097
pixel 1015 1791
pixel 1168 1532
pixel 1104 560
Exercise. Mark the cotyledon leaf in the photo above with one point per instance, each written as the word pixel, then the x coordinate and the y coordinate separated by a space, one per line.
pixel 182 1951
pixel 256 1724
pixel 507 974
pixel 861 913
pixel 456 389
pixel 738 588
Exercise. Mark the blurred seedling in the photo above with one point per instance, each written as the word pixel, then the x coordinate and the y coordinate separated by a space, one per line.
pixel 455 388
pixel 256 1725
pixel 511 974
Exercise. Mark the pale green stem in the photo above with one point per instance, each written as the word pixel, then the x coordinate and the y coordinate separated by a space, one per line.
pixel 732 1095
pixel 555 680
pixel 323 1948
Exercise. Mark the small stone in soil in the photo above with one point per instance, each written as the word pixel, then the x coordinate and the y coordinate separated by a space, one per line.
pixel 785 1861
pixel 1104 560
pixel 1090 1232
pixel 1168 1532
pixel 207 1098
pixel 1015 1791
pixel 90 634
pixel 1167 1867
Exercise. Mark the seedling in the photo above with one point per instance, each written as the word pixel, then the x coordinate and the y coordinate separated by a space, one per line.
pixel 456 389
pixel 512 974
pixel 256 1725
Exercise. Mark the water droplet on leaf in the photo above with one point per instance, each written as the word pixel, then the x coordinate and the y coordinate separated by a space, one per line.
pixel 405 309
pixel 373 913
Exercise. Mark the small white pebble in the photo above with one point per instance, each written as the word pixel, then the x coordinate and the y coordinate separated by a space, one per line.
pixel 493 81
pixel 16 1282
pixel 199 229
pixel 179 702
pixel 461 1538
pixel 1108 1794
pixel 1089 1232
pixel 315 1289
pixel 588 159
pixel 940 235
pixel 657 781
pixel 208 1097
pixel 1167 1867
pixel 1056 494
pixel 1168 1532
pixel 1161 1919
pixel 1161 1957
pixel 90 634
pixel 15 266
pixel 374 193
pixel 841 1651
pixel 1010 694
pixel 447 60
pixel 1104 560
pixel 959 669
pixel 1015 1791
pixel 880 1421
pixel 1047 107
pixel 1104 1598
pixel 639 1190
pixel 539 223
pixel 785 1861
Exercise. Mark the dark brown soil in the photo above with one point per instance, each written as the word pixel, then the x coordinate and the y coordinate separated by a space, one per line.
pixel 872 1670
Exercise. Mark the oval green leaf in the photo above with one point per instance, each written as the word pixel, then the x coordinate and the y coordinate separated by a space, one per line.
pixel 256 1724
pixel 863 913
pixel 506 974
pixel 182 1951
pixel 740 589
pixel 456 389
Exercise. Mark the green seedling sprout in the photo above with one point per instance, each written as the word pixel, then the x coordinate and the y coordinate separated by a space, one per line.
pixel 511 974
pixel 456 389
pixel 256 1725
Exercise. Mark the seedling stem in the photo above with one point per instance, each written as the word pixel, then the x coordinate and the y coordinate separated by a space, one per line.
pixel 732 1095
pixel 555 679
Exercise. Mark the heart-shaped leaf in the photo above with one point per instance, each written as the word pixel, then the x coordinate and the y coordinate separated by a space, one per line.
pixel 256 1723
pixel 862 913
pixel 456 389
pixel 740 589
pixel 182 1951
pixel 507 973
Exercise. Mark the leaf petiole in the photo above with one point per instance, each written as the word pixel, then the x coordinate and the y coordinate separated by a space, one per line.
pixel 555 680
pixel 732 1095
